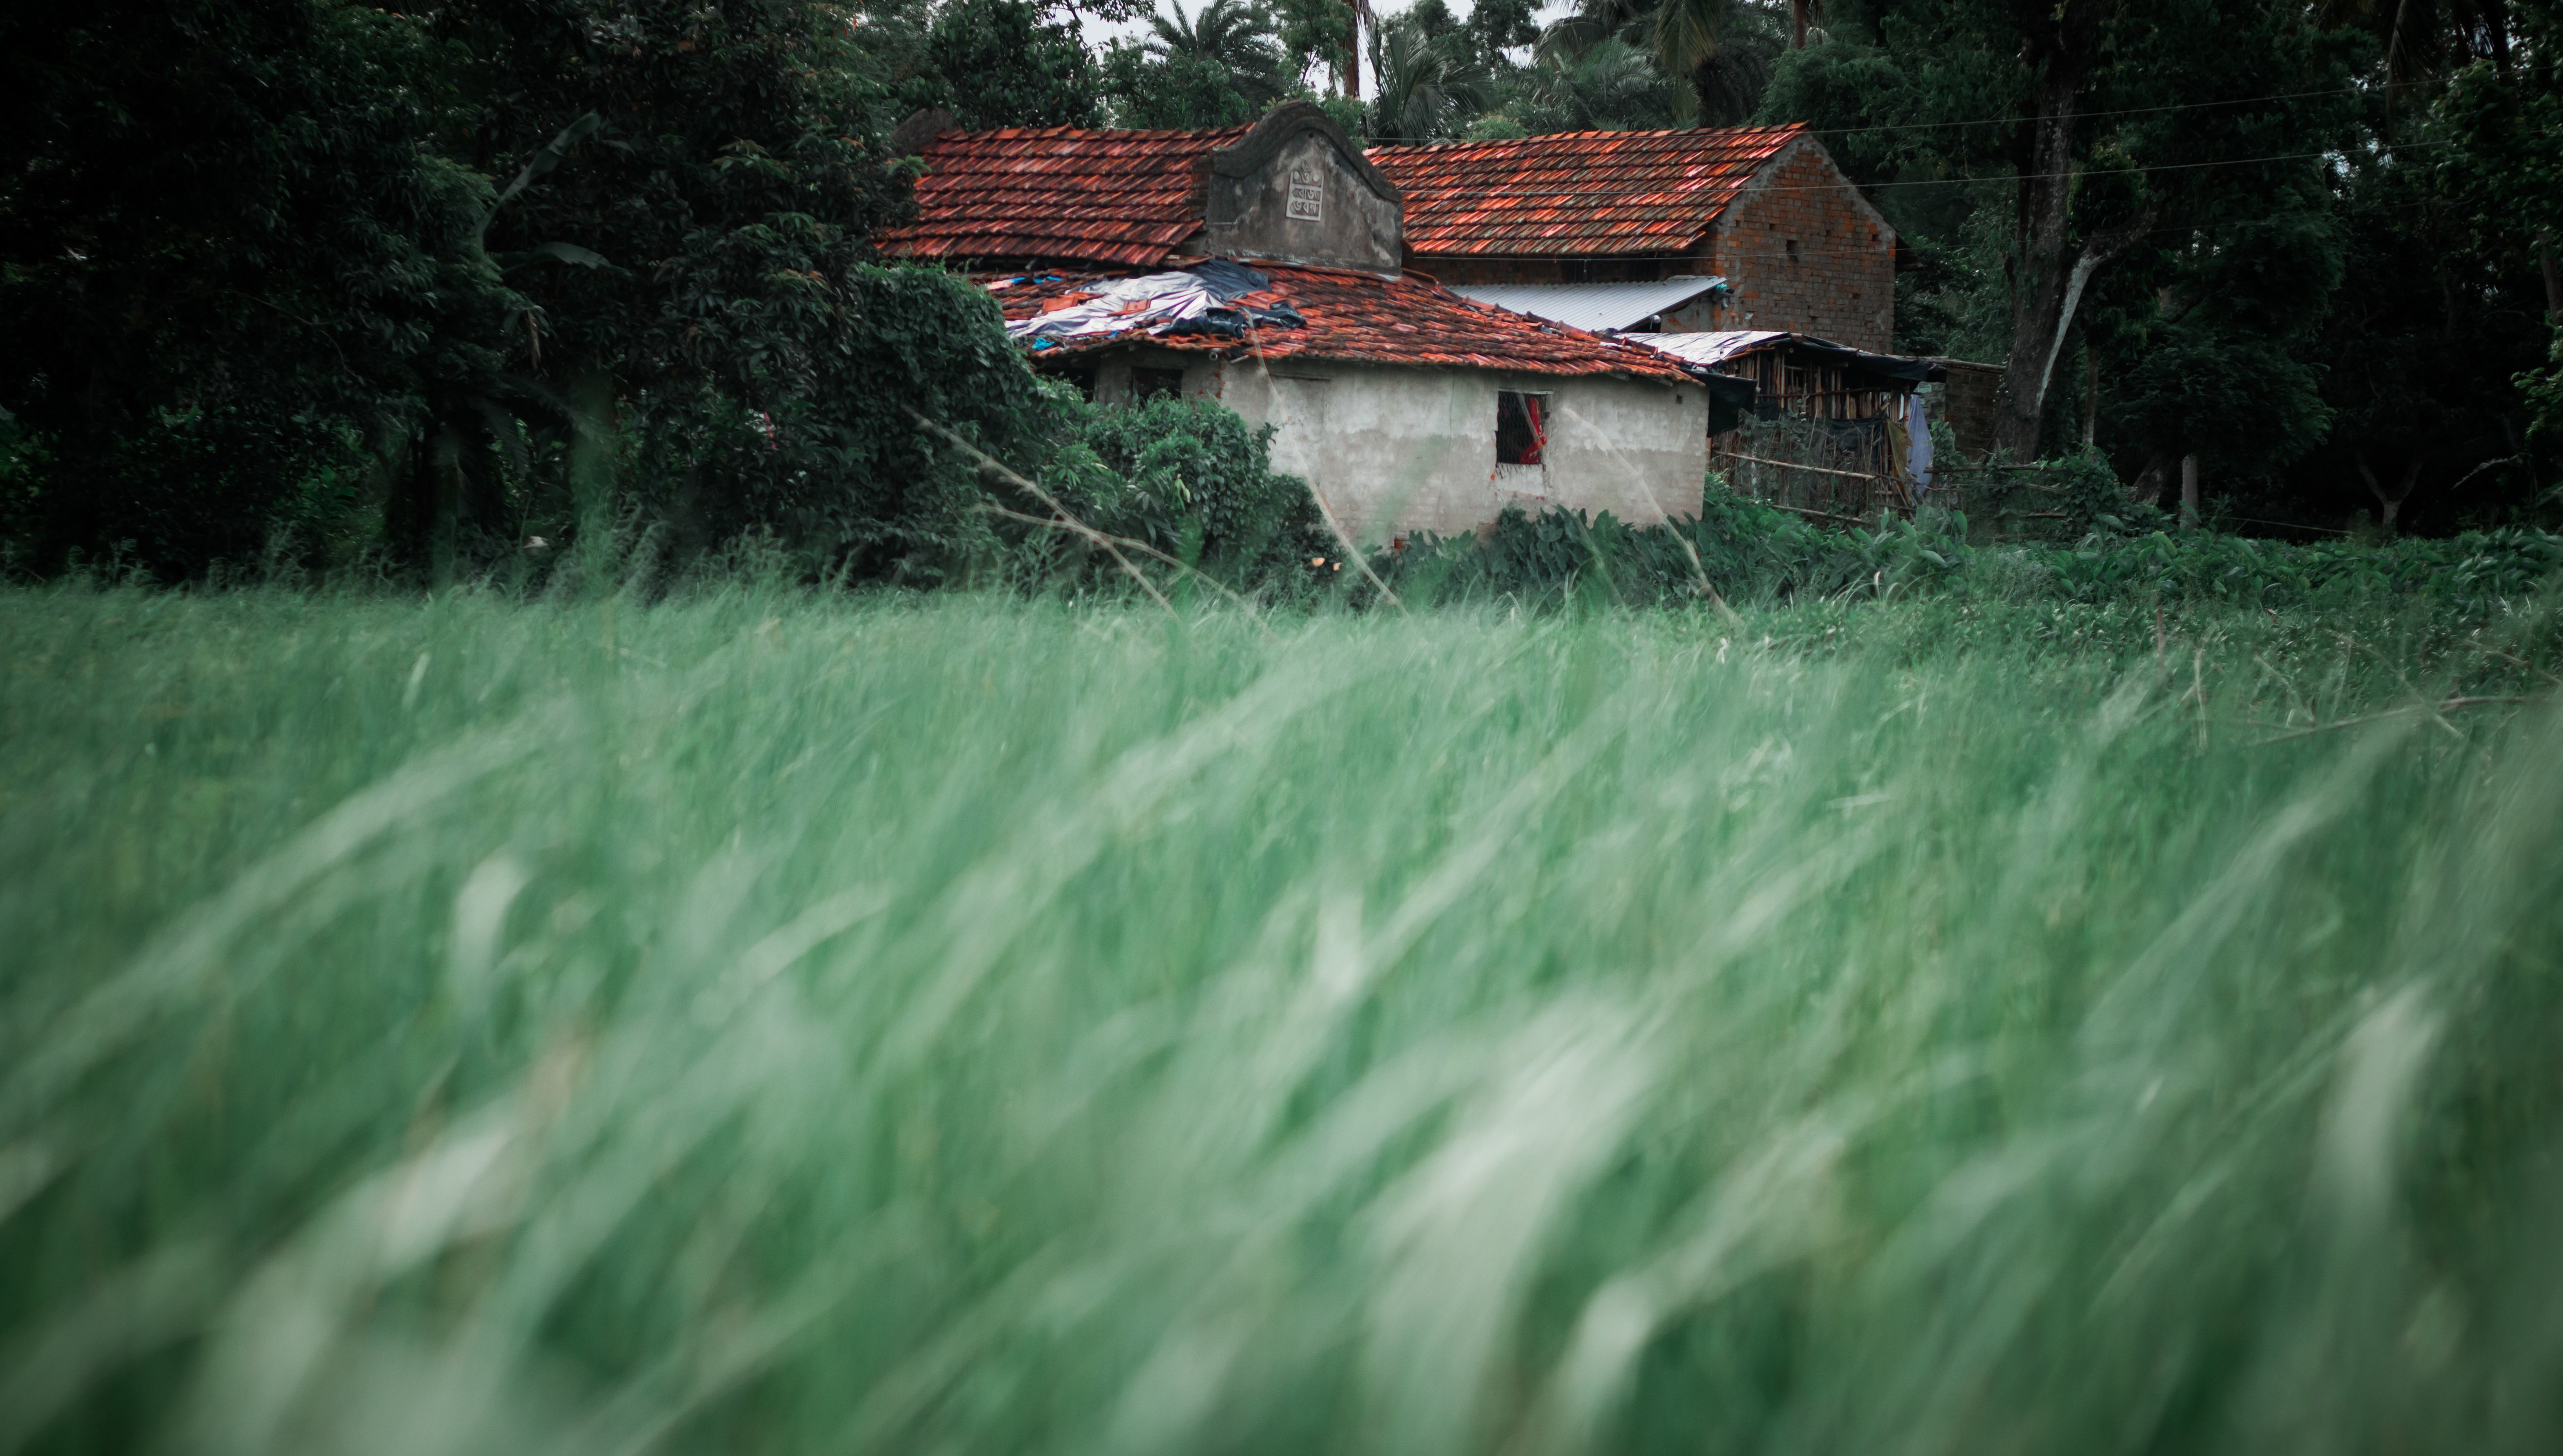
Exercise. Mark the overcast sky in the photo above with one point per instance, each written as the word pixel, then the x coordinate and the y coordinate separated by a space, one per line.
pixel 1097 31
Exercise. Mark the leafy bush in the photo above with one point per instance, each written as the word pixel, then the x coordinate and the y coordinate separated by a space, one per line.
pixel 1751 553
pixel 837 466
pixel 1743 550
pixel 1188 478
pixel 2472 573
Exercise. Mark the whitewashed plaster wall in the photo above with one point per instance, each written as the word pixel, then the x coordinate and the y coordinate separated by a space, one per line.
pixel 1395 449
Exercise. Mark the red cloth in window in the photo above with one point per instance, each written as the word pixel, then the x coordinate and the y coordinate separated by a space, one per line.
pixel 1538 429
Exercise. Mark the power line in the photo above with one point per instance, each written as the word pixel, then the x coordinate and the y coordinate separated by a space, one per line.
pixel 2240 161
pixel 1725 254
pixel 2285 95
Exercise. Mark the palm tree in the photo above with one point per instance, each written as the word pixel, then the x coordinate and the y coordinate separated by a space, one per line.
pixel 1688 38
pixel 1611 86
pixel 1718 49
pixel 1233 35
pixel 1427 87
pixel 2423 38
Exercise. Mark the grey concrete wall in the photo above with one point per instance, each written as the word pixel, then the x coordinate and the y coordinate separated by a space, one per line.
pixel 1394 450
pixel 1112 371
pixel 1253 216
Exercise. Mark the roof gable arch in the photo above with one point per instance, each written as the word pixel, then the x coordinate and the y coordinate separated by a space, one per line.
pixel 1290 187
pixel 1268 138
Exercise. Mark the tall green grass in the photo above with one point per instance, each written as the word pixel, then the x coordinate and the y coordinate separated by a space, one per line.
pixel 756 1023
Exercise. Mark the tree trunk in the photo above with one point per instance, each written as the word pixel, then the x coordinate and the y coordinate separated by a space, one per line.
pixel 2090 395
pixel 445 459
pixel 1352 53
pixel 2051 271
pixel 593 428
pixel 2188 491
pixel 2391 506
pixel 2553 280
pixel 2149 481
pixel 1798 24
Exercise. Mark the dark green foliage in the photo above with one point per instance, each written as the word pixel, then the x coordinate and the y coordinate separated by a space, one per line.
pixel 2473 576
pixel 228 253
pixel 2241 404
pixel 1427 77
pixel 1191 478
pixel 1747 553
pixel 1008 63
pixel 1219 66
pixel 1755 555
pixel 1178 91
pixel 1499 26
pixel 700 245
pixel 326 264
pixel 1315 35
pixel 834 466
pixel 2542 392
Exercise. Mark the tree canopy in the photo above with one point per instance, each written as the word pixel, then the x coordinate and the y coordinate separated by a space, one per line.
pixel 307 276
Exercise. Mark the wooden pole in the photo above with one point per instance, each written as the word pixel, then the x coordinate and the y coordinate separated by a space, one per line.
pixel 2189 490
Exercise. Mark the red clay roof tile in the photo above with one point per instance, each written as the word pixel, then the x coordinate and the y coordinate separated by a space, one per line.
pixel 1112 197
pixel 1367 319
pixel 1577 194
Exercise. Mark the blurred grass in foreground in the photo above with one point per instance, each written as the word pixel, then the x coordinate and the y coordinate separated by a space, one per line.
pixel 759 1023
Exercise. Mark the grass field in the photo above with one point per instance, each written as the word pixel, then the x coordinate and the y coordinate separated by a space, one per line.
pixel 765 1023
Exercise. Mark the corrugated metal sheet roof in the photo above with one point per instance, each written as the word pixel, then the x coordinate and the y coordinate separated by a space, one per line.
pixel 1359 316
pixel 1713 346
pixel 1576 193
pixel 1594 306
pixel 1882 371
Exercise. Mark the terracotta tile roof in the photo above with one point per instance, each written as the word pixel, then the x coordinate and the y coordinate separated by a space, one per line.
pixel 1576 193
pixel 1364 317
pixel 1118 197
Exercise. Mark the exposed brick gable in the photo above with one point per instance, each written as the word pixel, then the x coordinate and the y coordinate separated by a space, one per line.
pixel 1803 251
pixel 1765 208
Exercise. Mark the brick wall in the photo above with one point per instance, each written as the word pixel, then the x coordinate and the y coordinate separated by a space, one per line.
pixel 1803 253
pixel 1801 250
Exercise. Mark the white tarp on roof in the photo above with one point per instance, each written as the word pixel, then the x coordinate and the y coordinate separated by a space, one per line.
pixel 1597 306
pixel 1710 347
pixel 1122 304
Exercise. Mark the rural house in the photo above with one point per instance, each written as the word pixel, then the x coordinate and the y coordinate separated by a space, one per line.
pixel 1261 266
pixel 1715 228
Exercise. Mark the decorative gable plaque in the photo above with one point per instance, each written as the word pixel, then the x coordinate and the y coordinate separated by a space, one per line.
pixel 1307 196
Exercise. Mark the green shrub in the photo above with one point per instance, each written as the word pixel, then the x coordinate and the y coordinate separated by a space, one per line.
pixel 1752 553
pixel 2472 574
pixel 1191 478
pixel 837 467
pixel 1743 550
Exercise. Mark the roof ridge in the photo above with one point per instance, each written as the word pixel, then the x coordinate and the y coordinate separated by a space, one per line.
pixel 1782 129
pixel 1112 134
